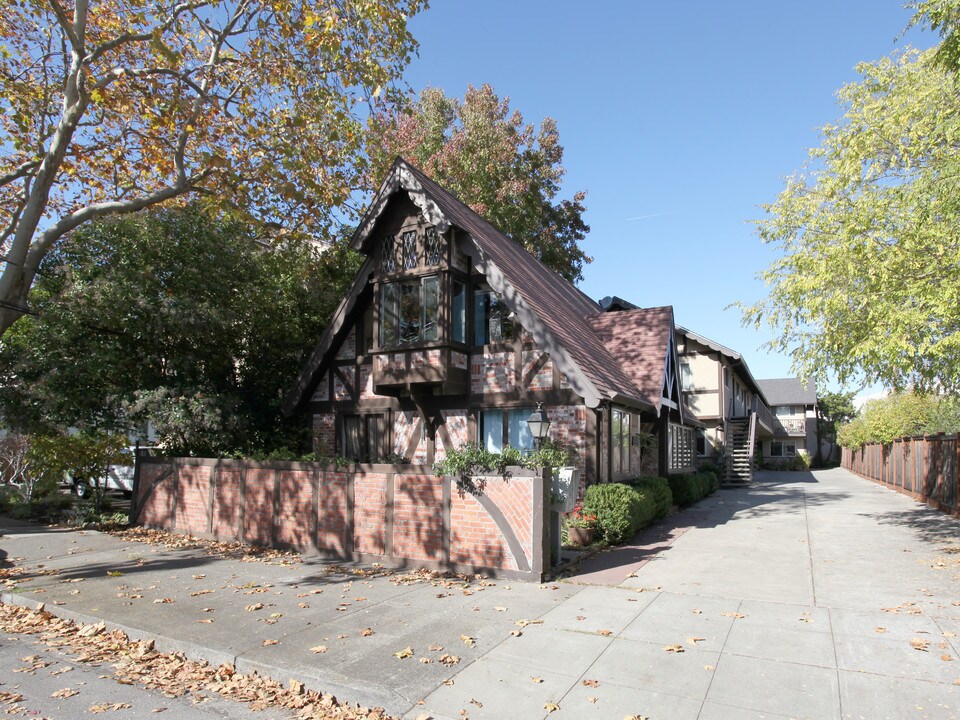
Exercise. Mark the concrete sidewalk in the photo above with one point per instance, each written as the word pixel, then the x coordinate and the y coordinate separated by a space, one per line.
pixel 806 595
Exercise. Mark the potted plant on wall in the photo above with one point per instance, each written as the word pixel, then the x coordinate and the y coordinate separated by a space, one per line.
pixel 580 526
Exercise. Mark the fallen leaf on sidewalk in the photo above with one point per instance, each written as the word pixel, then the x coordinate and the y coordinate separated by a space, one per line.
pixel 468 641
pixel 590 683
pixel 537 679
pixel 880 630
pixel 694 640
pixel 270 642
pixel 516 633
pixel 366 632
pixel 405 653
pixel 435 648
pixel 319 649
pixel 734 615
pixel 449 659
pixel 592 699
pixel 163 601
pixel 114 573
pixel 946 658
pixel 104 707
pixel 524 623
pixel 551 707
pixel 918 644
pixel 255 606
pixel 605 633
pixel 65 693
pixel 674 648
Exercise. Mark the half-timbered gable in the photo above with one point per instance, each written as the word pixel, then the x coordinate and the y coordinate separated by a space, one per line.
pixel 452 333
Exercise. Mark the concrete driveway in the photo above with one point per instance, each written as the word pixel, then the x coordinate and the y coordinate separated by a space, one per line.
pixel 810 595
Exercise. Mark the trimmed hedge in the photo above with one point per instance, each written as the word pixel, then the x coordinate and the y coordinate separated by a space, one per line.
pixel 658 491
pixel 689 489
pixel 621 511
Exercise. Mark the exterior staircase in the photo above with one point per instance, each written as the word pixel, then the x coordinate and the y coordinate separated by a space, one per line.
pixel 739 435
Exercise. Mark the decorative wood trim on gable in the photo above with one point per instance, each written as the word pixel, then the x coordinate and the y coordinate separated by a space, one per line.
pixel 400 178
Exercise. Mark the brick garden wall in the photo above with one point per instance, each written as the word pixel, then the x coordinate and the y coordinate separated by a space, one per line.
pixel 397 515
pixel 925 468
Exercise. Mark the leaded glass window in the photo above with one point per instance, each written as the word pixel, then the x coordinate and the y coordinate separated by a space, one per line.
pixel 388 255
pixel 432 247
pixel 410 256
pixel 409 311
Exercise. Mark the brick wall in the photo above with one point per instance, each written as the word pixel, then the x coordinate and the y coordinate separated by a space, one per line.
pixel 568 425
pixel 492 372
pixel 391 514
pixel 418 517
pixel 324 434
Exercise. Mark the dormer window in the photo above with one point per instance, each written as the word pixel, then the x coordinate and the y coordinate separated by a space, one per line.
pixel 409 311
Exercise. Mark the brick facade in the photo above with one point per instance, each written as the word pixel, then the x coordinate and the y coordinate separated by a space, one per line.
pixel 391 514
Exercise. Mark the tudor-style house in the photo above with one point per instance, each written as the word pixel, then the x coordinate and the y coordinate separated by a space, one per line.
pixel 452 333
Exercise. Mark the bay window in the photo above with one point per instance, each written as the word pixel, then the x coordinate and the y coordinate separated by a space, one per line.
pixel 408 311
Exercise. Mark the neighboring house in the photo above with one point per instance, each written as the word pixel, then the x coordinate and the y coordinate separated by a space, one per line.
pixel 722 392
pixel 452 333
pixel 794 406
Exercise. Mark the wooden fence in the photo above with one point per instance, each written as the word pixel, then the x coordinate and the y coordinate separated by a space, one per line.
pixel 393 514
pixel 925 468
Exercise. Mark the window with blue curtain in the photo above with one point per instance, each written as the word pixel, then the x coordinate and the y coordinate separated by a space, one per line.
pixel 519 435
pixel 491 430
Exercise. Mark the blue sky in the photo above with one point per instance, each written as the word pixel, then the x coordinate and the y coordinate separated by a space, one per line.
pixel 679 119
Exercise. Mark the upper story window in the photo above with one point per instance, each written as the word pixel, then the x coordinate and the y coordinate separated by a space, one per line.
pixel 410 251
pixel 409 311
pixel 781 410
pixel 388 255
pixel 492 320
pixel 459 314
pixel 432 248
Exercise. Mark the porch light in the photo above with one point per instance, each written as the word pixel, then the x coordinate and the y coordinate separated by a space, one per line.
pixel 539 424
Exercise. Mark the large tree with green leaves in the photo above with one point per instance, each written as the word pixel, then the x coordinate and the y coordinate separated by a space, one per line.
pixel 113 106
pixel 174 317
pixel 867 285
pixel 506 170
pixel 833 409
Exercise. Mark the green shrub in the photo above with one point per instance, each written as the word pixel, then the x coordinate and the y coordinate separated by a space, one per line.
pixel 49 508
pixel 621 511
pixel 657 489
pixel 689 489
pixel 682 489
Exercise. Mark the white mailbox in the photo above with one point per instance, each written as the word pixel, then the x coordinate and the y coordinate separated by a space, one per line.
pixel 566 484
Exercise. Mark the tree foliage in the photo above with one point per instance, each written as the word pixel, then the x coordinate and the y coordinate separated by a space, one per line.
pixel 868 283
pixel 901 415
pixel 118 105
pixel 833 409
pixel 506 170
pixel 175 318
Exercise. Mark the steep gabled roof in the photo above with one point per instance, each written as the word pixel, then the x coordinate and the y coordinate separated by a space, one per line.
pixel 559 316
pixel 788 391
